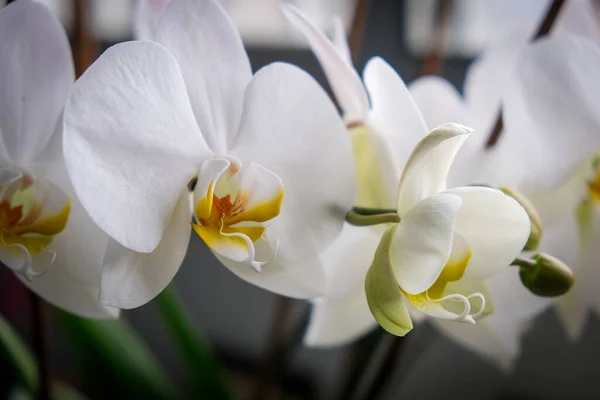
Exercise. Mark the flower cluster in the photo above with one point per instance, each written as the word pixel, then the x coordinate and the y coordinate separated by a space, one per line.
pixel 102 181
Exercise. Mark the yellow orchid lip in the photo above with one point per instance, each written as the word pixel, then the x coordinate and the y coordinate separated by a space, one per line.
pixel 31 215
pixel 233 206
pixel 436 296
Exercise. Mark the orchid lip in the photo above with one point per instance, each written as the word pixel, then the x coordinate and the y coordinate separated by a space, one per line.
pixel 32 212
pixel 233 206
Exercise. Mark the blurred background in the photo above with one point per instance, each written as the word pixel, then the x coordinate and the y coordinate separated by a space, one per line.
pixel 237 318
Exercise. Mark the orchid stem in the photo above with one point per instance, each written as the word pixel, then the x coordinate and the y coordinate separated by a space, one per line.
pixel 523 262
pixel 357 219
pixel 373 211
pixel 544 28
pixel 39 344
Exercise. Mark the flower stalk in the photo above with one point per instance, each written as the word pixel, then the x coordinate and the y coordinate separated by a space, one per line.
pixel 361 216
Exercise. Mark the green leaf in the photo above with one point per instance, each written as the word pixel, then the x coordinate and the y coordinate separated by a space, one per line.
pixel 383 294
pixel 204 372
pixel 18 356
pixel 110 350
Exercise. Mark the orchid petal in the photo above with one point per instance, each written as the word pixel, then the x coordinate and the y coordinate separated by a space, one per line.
pixel 341 75
pixel 57 287
pixel 383 294
pixel 495 226
pixel 146 16
pixel 347 260
pixel 343 315
pixel 306 145
pixel 336 322
pixel 579 18
pixel 262 192
pixel 129 129
pixel 131 279
pixel 394 112
pixel 555 74
pixel 37 73
pixel 486 81
pixel 216 69
pixel 80 247
pixel 438 101
pixel 339 40
pixel 280 276
pixel 483 339
pixel 210 172
pixel 422 243
pixel 426 170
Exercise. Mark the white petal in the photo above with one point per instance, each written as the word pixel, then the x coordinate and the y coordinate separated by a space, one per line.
pixel 281 276
pixel 80 247
pixel 560 73
pixel 347 260
pixel 426 170
pixel 208 176
pixel 131 143
pixel 483 340
pixel 146 16
pixel 580 252
pixel 291 127
pixel 438 100
pixel 339 40
pixel 7 177
pixel 337 322
pixel 573 312
pixel 341 75
pixel 498 336
pixel 423 242
pixel 37 73
pixel 131 279
pixel 214 64
pixel 394 112
pixel 58 288
pixel 495 226
pixel 486 81
pixel 579 18
pixel 343 315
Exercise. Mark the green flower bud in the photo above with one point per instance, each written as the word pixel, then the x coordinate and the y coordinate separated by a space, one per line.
pixel 535 233
pixel 545 276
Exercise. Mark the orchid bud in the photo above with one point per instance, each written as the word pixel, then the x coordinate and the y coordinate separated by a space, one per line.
pixel 545 276
pixel 535 234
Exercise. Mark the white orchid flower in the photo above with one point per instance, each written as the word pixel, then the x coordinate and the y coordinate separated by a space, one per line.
pixel 383 131
pixel 518 160
pixel 447 242
pixel 148 118
pixel 561 120
pixel 46 237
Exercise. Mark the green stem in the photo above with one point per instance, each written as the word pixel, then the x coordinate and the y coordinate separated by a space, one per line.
pixel 203 368
pixel 358 219
pixel 523 262
pixel 373 211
